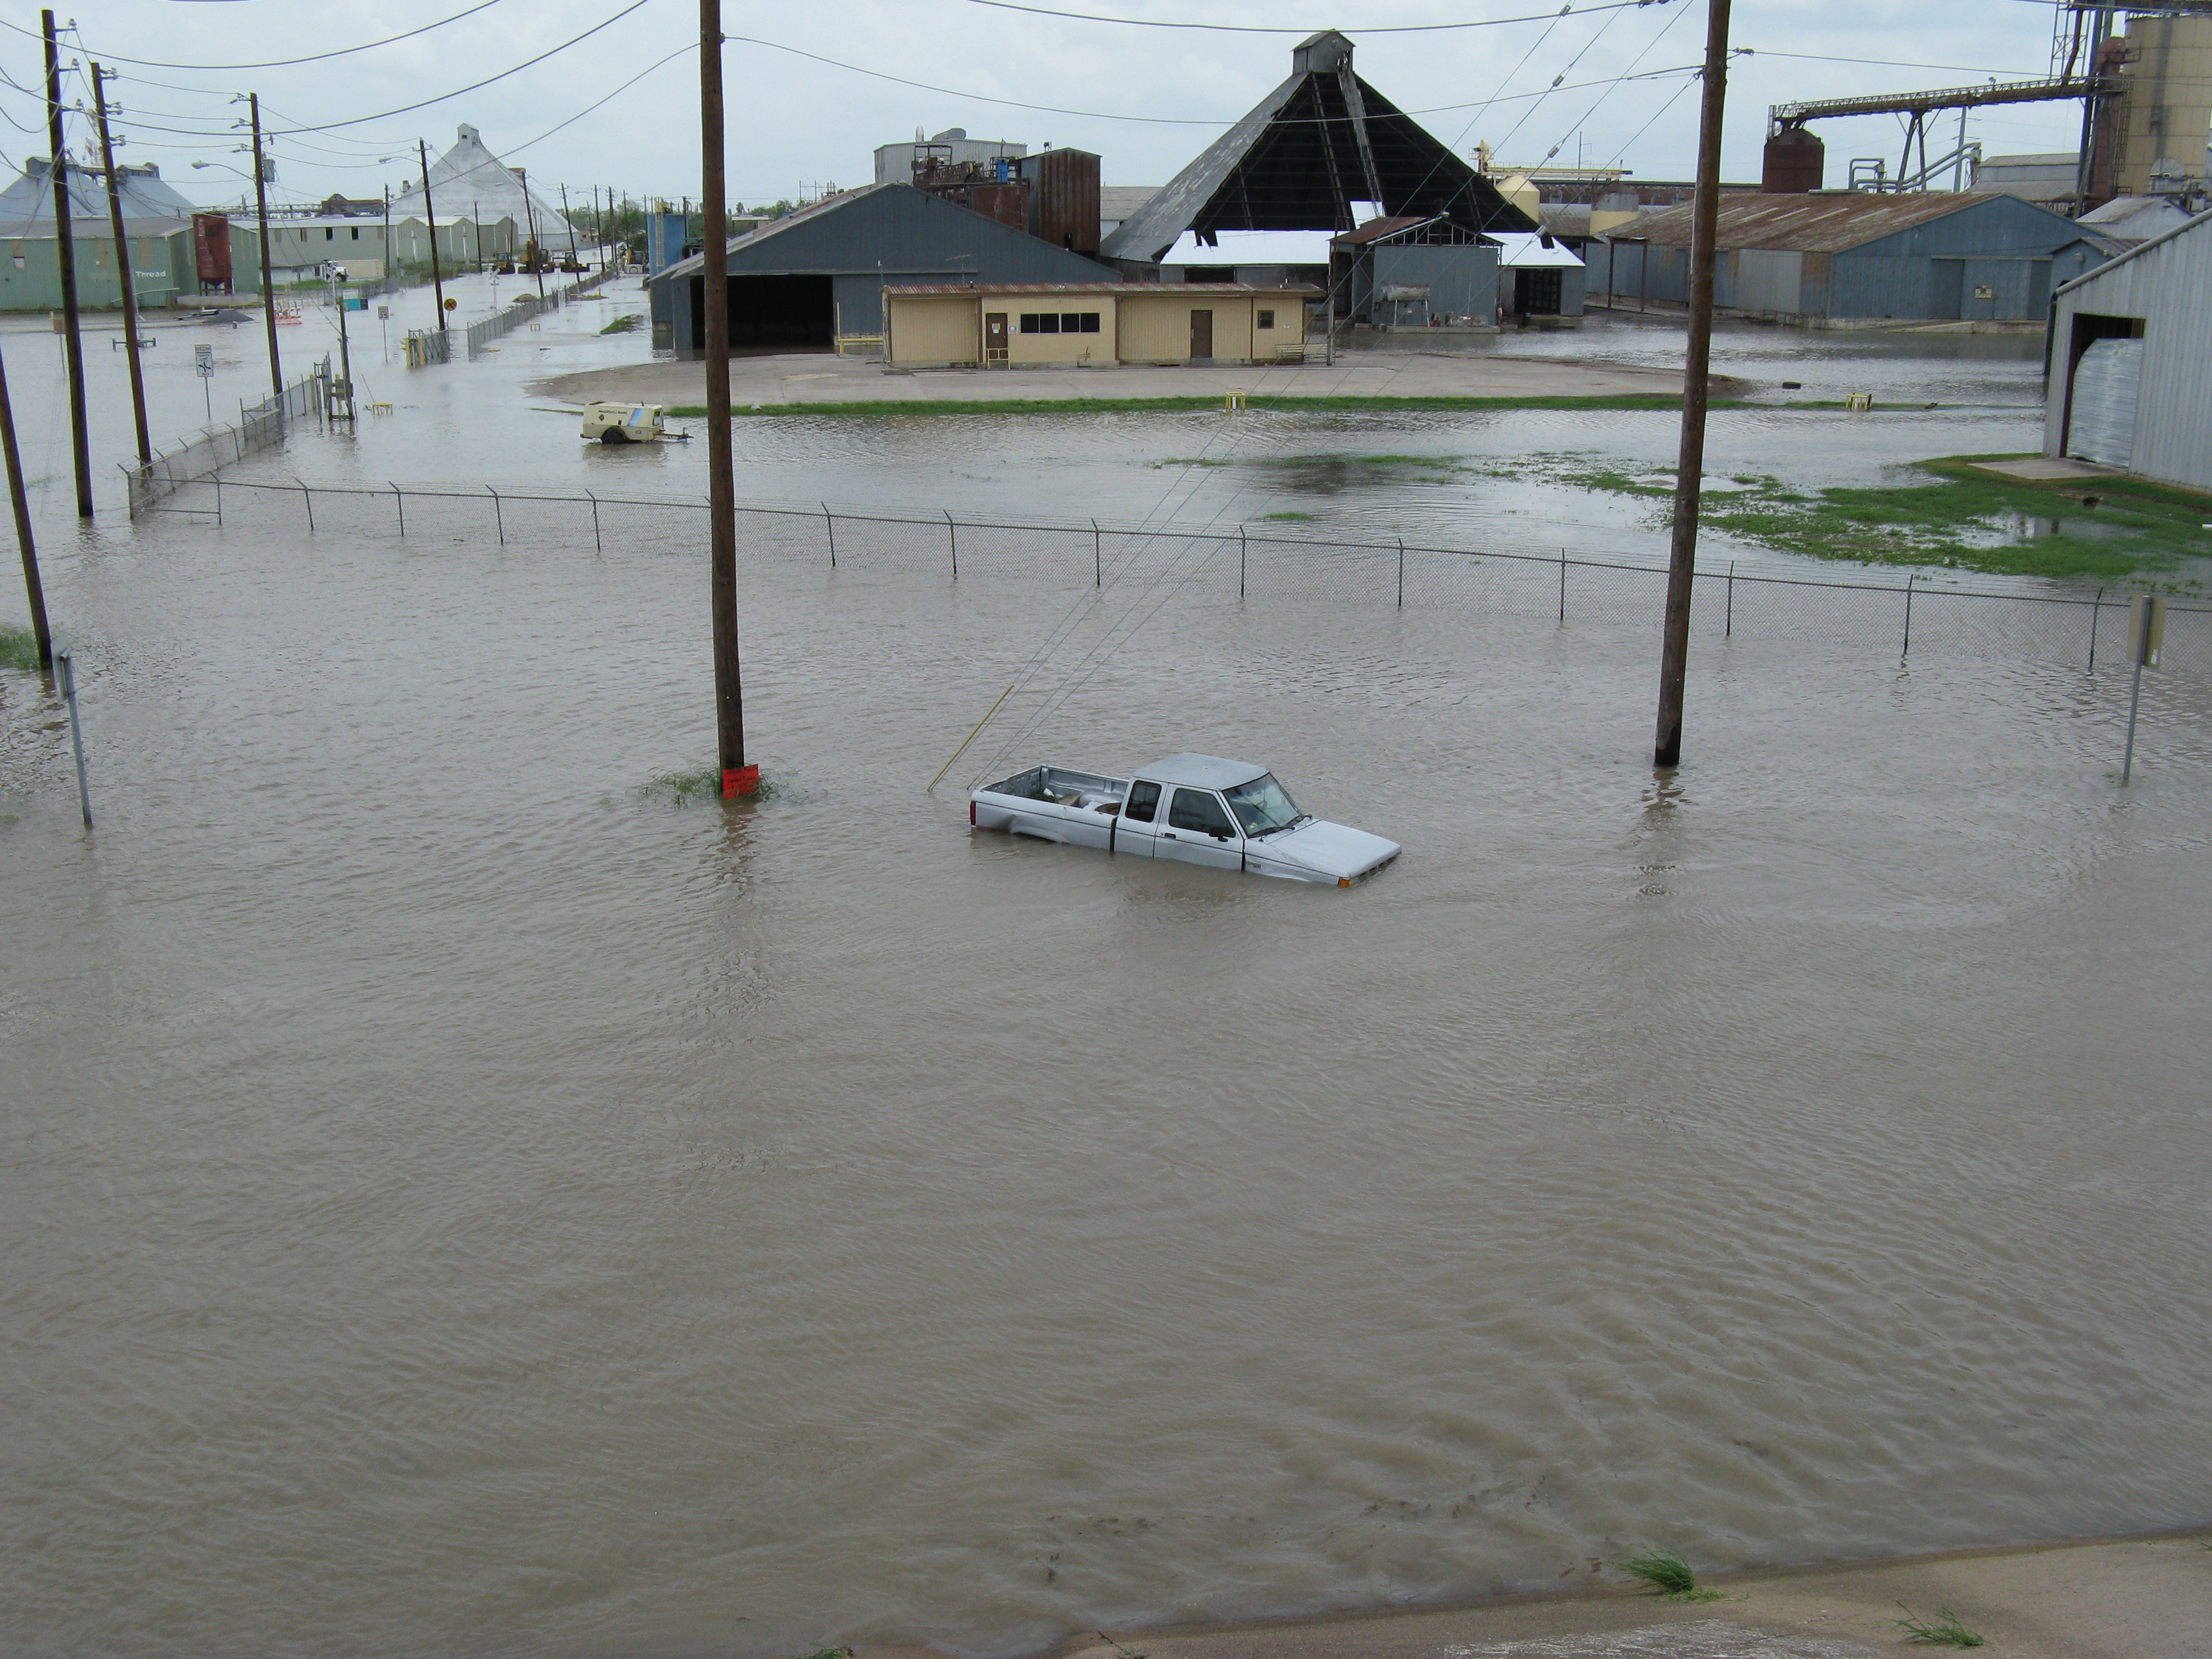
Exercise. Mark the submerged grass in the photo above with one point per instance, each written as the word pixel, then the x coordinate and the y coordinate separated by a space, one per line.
pixel 19 649
pixel 1665 1573
pixel 628 323
pixel 1944 1631
pixel 2100 529
pixel 899 408
pixel 682 788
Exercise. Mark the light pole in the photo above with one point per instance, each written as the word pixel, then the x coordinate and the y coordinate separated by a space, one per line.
pixel 343 392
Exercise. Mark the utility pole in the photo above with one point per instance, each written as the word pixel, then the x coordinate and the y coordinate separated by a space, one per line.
pixel 268 273
pixel 1697 382
pixel 20 499
pixel 570 223
pixel 123 272
pixel 430 218
pixel 65 258
pixel 338 280
pixel 737 778
pixel 530 215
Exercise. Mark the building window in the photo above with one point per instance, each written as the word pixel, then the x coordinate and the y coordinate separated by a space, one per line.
pixel 329 235
pixel 1265 319
pixel 1060 322
pixel 355 232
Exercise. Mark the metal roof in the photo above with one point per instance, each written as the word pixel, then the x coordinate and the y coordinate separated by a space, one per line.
pixel 2140 248
pixel 469 176
pixel 1171 289
pixel 1809 224
pixel 1202 771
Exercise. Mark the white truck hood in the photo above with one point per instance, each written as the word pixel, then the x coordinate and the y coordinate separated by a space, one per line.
pixel 1334 850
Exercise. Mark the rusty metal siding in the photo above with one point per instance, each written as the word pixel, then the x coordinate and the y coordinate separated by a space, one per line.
pixel 1064 199
pixel 2167 283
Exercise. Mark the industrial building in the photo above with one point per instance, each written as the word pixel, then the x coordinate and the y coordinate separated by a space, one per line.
pixel 1402 273
pixel 2130 375
pixel 896 164
pixel 814 279
pixel 1844 259
pixel 1324 153
pixel 469 182
pixel 156 225
pixel 1092 325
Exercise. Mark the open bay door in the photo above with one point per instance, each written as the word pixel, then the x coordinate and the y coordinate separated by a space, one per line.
pixel 2101 422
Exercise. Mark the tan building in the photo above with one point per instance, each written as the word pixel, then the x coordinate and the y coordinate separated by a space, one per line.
pixel 2166 109
pixel 1089 324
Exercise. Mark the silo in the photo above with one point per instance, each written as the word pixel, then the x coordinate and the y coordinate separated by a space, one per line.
pixel 1796 162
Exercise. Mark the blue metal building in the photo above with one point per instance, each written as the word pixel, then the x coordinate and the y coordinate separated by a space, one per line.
pixel 805 281
pixel 1857 258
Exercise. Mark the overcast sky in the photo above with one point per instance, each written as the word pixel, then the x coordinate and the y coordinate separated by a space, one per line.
pixel 797 123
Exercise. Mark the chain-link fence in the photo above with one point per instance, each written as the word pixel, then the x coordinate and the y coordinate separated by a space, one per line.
pixel 261 426
pixel 508 318
pixel 1131 566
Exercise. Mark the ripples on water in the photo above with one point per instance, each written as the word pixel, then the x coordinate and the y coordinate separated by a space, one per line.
pixel 458 1202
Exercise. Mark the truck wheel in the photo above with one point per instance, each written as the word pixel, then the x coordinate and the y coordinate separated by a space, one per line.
pixel 613 434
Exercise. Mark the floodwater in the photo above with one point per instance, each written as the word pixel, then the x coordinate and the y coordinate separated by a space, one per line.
pixel 459 1199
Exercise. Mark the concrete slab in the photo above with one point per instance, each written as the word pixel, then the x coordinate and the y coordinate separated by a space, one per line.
pixel 2043 468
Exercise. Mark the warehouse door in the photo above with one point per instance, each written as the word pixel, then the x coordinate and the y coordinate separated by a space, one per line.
pixel 2101 426
pixel 1947 287
pixel 994 336
pixel 1201 336
pixel 783 312
pixel 1536 293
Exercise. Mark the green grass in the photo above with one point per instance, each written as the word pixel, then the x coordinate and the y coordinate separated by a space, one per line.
pixel 1291 517
pixel 705 783
pixel 901 409
pixel 1958 517
pixel 1665 1573
pixel 628 323
pixel 19 649
pixel 1944 1631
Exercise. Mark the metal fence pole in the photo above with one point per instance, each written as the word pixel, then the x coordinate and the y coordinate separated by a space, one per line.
pixel 2096 610
pixel 400 501
pixel 218 500
pixel 1908 619
pixel 1097 557
pixel 598 546
pixel 1243 552
pixel 1563 587
pixel 829 525
pixel 65 671
pixel 307 497
pixel 1401 573
pixel 1727 629
pixel 2127 764
pixel 498 517
pixel 952 534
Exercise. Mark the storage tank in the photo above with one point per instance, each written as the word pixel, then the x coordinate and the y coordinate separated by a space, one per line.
pixel 1064 209
pixel 1796 162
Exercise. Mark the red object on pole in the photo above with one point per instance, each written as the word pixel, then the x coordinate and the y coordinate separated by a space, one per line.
pixel 737 778
pixel 1697 384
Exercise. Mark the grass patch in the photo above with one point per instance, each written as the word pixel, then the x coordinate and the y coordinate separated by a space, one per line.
pixel 1665 1573
pixel 705 783
pixel 19 649
pixel 1296 517
pixel 920 406
pixel 628 323
pixel 2100 529
pixel 1189 460
pixel 1944 1631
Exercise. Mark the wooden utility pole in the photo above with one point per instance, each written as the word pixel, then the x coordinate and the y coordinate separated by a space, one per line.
pixel 1697 379
pixel 267 275
pixel 65 259
pixel 123 272
pixel 20 498
pixel 571 226
pixel 536 247
pixel 430 218
pixel 737 778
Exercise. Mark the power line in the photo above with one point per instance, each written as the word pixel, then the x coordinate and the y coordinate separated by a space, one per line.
pixel 1247 28
pixel 274 63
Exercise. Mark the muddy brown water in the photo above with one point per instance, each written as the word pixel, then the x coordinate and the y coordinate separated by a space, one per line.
pixel 459 1199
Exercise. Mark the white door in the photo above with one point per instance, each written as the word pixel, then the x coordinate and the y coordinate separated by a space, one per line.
pixel 1199 830
pixel 1139 826
pixel 2101 426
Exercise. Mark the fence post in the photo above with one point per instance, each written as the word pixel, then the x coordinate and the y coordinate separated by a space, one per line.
pixel 498 517
pixel 1563 587
pixel 829 525
pixel 598 546
pixel 2096 609
pixel 400 501
pixel 1729 631
pixel 1401 573
pixel 218 500
pixel 1097 558
pixel 1908 618
pixel 307 497
pixel 1242 552
pixel 952 532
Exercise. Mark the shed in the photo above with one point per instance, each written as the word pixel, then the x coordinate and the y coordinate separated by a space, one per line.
pixel 1091 325
pixel 1846 256
pixel 2131 361
pixel 817 277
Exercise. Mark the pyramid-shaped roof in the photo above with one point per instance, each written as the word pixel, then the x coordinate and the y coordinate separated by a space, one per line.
pixel 469 182
pixel 1320 141
pixel 149 203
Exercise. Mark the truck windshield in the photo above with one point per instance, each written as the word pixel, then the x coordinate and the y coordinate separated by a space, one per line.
pixel 1263 806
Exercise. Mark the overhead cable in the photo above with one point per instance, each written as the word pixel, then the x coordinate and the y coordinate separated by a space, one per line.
pixel 274 62
pixel 1254 28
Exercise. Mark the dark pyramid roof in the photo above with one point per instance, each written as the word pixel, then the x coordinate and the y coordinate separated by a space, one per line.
pixel 1321 141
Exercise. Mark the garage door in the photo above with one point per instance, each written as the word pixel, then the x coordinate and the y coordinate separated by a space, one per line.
pixel 2102 425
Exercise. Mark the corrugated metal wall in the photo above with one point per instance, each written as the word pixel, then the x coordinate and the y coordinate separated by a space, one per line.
pixel 2168 287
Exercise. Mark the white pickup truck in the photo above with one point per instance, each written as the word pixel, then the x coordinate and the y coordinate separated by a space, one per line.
pixel 1199 808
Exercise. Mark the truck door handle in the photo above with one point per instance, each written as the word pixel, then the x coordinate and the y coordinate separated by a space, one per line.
pixel 1168 835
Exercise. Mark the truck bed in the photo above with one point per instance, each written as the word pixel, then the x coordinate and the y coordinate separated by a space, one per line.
pixel 1052 803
